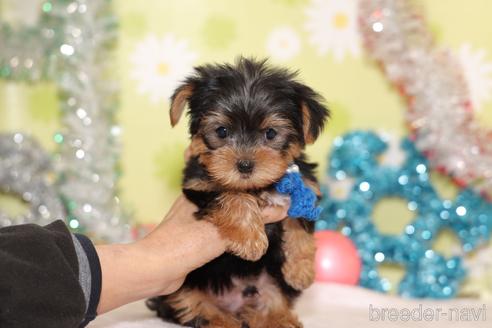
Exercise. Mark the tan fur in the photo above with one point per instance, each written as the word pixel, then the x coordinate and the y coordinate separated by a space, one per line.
pixel 197 146
pixel 221 164
pixel 179 103
pixel 306 117
pixel 199 185
pixel 294 151
pixel 190 304
pixel 275 121
pixel 299 248
pixel 270 166
pixel 238 219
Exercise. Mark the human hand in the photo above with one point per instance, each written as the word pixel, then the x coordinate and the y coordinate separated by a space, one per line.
pixel 272 214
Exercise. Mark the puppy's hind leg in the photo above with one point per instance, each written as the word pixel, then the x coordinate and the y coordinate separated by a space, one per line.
pixel 194 308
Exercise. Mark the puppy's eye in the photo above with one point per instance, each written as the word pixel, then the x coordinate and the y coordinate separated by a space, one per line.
pixel 270 134
pixel 221 132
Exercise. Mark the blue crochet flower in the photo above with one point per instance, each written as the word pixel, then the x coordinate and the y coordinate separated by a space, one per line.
pixel 302 199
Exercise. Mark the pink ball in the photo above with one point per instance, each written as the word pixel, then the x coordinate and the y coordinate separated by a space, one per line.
pixel 337 259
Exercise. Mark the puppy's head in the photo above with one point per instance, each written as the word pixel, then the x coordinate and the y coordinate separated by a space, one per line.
pixel 248 121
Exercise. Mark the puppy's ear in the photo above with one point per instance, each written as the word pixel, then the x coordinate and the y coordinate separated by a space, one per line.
pixel 314 113
pixel 178 102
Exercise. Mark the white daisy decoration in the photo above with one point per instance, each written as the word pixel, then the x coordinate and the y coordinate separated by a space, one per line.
pixel 394 156
pixel 283 43
pixel 332 25
pixel 160 64
pixel 478 74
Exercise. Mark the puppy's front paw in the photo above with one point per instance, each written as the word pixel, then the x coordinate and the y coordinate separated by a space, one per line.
pixel 251 246
pixel 238 219
pixel 299 274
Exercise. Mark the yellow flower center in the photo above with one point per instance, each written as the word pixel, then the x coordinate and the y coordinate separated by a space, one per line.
pixel 284 44
pixel 162 68
pixel 340 20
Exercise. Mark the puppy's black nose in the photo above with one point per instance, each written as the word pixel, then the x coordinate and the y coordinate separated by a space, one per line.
pixel 245 166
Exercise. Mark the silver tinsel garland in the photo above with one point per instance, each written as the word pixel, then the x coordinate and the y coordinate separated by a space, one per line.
pixel 24 172
pixel 440 112
pixel 71 46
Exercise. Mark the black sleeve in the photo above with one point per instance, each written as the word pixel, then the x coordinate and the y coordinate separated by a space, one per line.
pixel 39 277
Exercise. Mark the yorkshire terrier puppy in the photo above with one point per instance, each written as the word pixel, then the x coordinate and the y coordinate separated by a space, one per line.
pixel 248 123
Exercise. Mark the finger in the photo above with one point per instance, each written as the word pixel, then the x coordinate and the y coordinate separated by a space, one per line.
pixel 274 213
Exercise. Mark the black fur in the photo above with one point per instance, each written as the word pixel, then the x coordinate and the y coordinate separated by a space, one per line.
pixel 245 93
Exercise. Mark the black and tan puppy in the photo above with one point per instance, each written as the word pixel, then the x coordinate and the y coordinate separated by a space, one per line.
pixel 248 123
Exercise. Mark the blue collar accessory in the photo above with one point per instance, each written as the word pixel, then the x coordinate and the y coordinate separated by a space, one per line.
pixel 302 199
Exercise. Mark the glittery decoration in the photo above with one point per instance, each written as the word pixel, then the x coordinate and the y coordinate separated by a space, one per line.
pixel 431 80
pixel 355 157
pixel 71 46
pixel 24 172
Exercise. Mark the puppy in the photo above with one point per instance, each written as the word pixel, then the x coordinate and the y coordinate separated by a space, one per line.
pixel 248 123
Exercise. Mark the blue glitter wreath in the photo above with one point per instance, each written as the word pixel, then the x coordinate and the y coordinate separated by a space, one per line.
pixel 427 273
